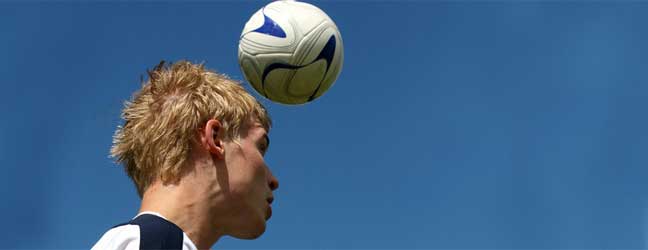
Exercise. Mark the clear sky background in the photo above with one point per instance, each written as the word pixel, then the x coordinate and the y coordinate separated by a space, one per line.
pixel 467 124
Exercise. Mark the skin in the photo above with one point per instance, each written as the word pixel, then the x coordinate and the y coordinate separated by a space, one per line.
pixel 226 190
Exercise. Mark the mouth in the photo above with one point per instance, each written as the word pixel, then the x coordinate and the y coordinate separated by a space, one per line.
pixel 269 210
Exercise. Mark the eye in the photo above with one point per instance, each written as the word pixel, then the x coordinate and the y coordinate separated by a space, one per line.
pixel 264 144
pixel 263 147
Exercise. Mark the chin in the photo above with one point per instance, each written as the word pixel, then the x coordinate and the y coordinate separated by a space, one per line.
pixel 252 233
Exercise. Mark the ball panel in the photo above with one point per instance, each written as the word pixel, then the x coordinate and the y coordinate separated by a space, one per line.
pixel 274 84
pixel 309 47
pixel 305 80
pixel 250 71
pixel 275 87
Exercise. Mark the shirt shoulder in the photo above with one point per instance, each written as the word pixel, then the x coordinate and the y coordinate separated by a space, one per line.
pixel 145 231
pixel 124 237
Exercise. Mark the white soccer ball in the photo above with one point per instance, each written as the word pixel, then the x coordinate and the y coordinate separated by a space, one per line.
pixel 291 52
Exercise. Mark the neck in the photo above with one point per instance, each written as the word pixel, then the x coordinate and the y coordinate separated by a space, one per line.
pixel 187 206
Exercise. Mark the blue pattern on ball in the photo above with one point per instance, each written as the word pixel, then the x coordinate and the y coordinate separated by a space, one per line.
pixel 270 27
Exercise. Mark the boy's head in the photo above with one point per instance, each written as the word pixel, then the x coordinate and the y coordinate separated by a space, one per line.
pixel 162 119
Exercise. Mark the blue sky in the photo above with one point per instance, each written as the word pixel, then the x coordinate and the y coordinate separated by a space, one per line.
pixel 468 124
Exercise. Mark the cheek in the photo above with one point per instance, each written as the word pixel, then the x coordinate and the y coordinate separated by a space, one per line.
pixel 247 170
pixel 241 182
pixel 254 164
pixel 247 176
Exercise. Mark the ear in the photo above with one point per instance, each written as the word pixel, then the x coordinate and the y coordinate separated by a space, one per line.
pixel 212 138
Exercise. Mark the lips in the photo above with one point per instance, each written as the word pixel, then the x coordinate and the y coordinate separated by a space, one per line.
pixel 269 210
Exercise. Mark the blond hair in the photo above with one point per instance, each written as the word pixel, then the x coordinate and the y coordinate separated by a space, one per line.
pixel 162 119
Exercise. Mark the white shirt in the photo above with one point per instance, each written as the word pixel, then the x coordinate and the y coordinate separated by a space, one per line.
pixel 147 230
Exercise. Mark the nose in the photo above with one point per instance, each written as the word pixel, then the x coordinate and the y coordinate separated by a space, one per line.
pixel 273 183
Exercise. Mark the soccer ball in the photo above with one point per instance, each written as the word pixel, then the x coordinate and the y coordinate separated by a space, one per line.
pixel 291 52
